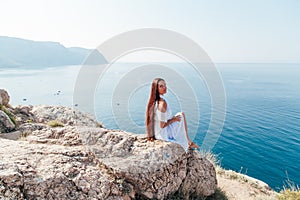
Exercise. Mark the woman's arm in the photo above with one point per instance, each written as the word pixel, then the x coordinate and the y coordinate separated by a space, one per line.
pixel 162 107
pixel 173 119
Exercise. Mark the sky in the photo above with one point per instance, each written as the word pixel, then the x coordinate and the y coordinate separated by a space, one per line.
pixel 229 31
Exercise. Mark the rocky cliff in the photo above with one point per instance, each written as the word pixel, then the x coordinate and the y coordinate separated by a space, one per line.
pixel 56 152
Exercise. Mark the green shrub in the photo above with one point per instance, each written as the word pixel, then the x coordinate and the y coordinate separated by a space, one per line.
pixel 11 117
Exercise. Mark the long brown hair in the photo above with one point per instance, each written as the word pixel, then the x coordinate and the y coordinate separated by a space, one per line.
pixel 154 96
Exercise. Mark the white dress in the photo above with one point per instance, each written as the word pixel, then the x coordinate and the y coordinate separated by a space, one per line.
pixel 174 132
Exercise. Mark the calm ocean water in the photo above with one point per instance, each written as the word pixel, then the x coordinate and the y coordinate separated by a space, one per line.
pixel 261 133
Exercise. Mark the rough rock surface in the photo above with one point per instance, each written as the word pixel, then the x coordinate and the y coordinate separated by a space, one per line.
pixel 4 98
pixel 23 114
pixel 6 125
pixel 65 115
pixel 96 163
pixel 30 118
pixel 136 159
pixel 83 160
pixel 52 172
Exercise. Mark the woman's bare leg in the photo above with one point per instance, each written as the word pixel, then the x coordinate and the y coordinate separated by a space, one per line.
pixel 186 127
pixel 191 144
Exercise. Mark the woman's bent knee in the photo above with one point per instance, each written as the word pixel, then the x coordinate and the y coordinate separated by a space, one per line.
pixel 179 114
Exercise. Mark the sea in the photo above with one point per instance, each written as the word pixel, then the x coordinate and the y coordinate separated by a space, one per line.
pixel 260 133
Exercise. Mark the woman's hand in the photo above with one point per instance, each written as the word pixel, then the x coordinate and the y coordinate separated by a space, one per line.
pixel 173 119
pixel 177 118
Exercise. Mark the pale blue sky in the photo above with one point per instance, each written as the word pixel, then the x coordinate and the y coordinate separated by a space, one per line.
pixel 229 31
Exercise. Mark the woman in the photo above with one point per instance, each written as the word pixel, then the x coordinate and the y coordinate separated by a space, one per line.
pixel 160 123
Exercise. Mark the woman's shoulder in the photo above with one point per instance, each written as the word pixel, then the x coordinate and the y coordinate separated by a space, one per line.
pixel 162 105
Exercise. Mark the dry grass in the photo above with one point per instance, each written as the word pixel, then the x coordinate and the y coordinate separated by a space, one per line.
pixel 55 124
pixel 23 136
pixel 213 158
pixel 100 125
pixel 290 191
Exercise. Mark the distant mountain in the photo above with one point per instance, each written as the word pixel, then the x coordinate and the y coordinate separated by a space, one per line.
pixel 15 52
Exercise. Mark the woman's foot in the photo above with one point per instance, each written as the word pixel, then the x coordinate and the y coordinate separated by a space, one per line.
pixel 151 139
pixel 193 145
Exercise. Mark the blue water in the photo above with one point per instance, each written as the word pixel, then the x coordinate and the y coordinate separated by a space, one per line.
pixel 261 133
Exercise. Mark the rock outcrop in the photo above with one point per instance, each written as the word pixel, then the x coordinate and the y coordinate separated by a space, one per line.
pixel 82 160
pixel 6 123
pixel 4 98
pixel 65 115
pixel 25 119
pixel 96 163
